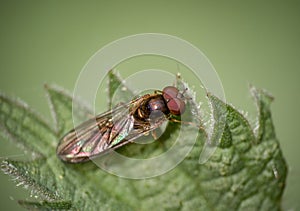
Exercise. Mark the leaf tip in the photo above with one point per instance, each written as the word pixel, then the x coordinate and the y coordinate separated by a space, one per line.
pixel 46 86
pixel 260 94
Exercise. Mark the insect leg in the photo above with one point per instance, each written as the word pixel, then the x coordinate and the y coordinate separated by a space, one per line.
pixel 186 123
pixel 154 135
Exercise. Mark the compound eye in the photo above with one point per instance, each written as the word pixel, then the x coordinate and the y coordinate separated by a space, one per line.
pixel 176 106
pixel 170 92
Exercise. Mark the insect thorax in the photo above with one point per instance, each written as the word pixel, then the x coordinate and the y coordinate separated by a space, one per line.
pixel 152 108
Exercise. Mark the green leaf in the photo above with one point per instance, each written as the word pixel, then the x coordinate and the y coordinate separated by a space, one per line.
pixel 34 175
pixel 117 90
pixel 246 172
pixel 60 103
pixel 45 205
pixel 25 127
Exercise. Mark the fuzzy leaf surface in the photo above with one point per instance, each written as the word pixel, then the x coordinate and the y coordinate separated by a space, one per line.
pixel 246 172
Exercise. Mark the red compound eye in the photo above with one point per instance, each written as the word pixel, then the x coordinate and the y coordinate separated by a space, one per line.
pixel 170 92
pixel 173 98
pixel 176 106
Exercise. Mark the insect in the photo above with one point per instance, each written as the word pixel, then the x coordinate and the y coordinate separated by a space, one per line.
pixel 121 125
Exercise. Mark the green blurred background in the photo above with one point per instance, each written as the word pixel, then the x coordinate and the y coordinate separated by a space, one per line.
pixel 253 42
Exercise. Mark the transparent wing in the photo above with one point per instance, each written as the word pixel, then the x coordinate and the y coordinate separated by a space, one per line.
pixel 107 131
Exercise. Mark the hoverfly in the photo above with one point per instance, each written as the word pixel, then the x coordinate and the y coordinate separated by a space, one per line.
pixel 121 125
